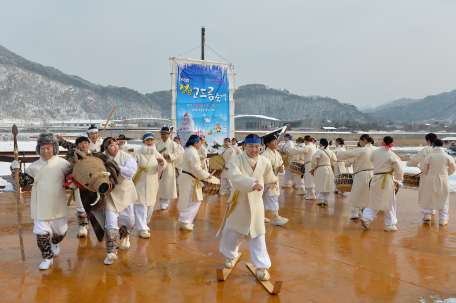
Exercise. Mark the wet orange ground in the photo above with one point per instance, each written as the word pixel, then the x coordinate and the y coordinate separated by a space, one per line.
pixel 321 256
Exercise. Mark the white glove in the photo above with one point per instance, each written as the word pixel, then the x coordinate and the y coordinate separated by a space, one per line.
pixel 72 186
pixel 16 164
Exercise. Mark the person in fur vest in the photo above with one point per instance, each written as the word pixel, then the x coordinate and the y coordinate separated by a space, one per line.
pixel 322 161
pixel 48 203
pixel 272 192
pixel 382 195
pixel 248 172
pixel 150 164
pixel 228 153
pixel 191 193
pixel 120 201
pixel 437 166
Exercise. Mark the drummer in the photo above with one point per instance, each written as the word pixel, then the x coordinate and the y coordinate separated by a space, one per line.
pixel 272 191
pixel 322 161
pixel 227 153
pixel 307 153
pixel 300 180
pixel 339 166
pixel 362 173
pixel 417 161
pixel 288 179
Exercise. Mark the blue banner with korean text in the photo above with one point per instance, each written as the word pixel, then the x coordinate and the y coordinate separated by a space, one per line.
pixel 202 102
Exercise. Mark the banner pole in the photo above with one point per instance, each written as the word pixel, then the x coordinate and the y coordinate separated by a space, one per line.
pixel 203 41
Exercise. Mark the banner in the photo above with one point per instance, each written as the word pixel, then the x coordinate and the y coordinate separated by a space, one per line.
pixel 202 100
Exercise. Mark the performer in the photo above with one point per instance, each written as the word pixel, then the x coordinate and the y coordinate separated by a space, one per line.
pixel 227 153
pixel 272 191
pixel 437 166
pixel 191 194
pixel 95 141
pixel 167 179
pixel 234 143
pixel 300 183
pixel 362 173
pixel 178 163
pixel 248 173
pixel 123 146
pixel 339 166
pixel 307 152
pixel 202 153
pixel 150 165
pixel 417 161
pixel 382 194
pixel 119 201
pixel 288 179
pixel 322 161
pixel 48 204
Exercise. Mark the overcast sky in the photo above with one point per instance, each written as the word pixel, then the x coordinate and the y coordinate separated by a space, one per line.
pixel 357 51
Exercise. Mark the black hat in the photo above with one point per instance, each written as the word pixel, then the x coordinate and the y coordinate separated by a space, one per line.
pixel 82 139
pixel 165 130
pixel 122 137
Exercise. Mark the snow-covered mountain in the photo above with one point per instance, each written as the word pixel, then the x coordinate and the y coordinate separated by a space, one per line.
pixel 34 92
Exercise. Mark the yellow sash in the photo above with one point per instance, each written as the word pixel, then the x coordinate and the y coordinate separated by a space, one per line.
pixel 197 185
pixel 385 175
pixel 138 174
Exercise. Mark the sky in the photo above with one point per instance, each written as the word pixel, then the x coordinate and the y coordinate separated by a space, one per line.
pixel 362 52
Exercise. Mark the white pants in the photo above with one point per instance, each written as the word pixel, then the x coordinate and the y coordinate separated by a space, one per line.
pixel 323 196
pixel 56 226
pixel 443 213
pixel 192 209
pixel 390 215
pixel 232 240
pixel 225 183
pixel 270 203
pixel 165 202
pixel 143 215
pixel 288 178
pixel 301 182
pixel 126 217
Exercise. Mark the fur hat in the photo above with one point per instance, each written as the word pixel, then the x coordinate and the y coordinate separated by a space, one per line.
pixel 46 138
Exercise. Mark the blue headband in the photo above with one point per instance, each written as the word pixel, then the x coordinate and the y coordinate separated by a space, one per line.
pixel 433 144
pixel 252 141
pixel 148 135
pixel 288 136
pixel 197 139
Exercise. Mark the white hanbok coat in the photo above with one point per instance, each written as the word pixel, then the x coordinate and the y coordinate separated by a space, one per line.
pixel 167 178
pixel 125 191
pixel 238 150
pixel 339 166
pixel 363 171
pixel 248 214
pixel 276 162
pixel 322 162
pixel 382 193
pixel 48 198
pixel 202 153
pixel 437 166
pixel 147 185
pixel 416 162
pixel 286 147
pixel 228 154
pixel 307 153
pixel 95 147
pixel 190 164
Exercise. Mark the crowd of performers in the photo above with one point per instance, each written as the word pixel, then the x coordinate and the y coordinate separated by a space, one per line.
pixel 160 172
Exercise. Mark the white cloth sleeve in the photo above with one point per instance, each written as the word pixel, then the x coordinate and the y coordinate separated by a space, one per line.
pixel 130 168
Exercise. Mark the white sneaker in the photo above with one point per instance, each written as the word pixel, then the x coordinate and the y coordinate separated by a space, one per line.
pixel 144 234
pixel 55 249
pixel 163 207
pixel 365 222
pixel 354 214
pixel 110 258
pixel 266 220
pixel 82 233
pixel 280 221
pixel 263 274
pixel 302 191
pixel 230 263
pixel 311 197
pixel 390 228
pixel 443 222
pixel 125 243
pixel 186 226
pixel 427 217
pixel 46 263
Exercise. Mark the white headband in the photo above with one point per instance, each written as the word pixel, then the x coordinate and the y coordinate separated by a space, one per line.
pixel 93 130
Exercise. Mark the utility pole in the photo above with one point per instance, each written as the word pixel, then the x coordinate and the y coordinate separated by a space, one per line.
pixel 203 41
